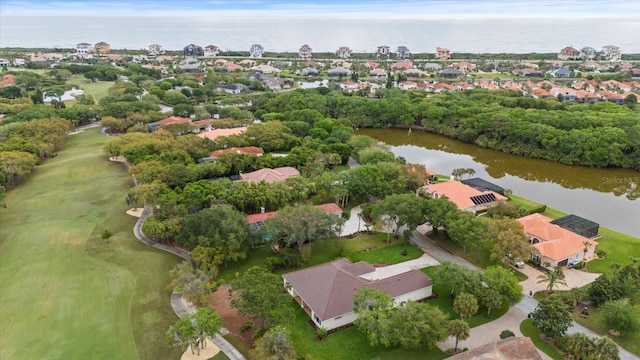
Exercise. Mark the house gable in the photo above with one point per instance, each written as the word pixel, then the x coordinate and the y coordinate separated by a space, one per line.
pixel 328 288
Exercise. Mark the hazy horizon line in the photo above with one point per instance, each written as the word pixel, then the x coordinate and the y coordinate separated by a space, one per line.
pixel 354 9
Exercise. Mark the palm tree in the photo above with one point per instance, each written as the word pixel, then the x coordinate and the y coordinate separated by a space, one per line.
pixel 552 278
pixel 460 330
pixel 466 305
pixel 576 294
pixel 605 349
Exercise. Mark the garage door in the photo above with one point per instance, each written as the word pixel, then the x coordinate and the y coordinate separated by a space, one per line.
pixel 563 262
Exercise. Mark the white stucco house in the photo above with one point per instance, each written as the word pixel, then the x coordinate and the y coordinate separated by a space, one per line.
pixel 325 291
pixel 84 48
pixel 256 50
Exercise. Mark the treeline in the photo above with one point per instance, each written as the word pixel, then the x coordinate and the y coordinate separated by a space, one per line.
pixel 597 135
pixel 23 145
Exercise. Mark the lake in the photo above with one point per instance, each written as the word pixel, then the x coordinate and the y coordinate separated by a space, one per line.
pixel 606 196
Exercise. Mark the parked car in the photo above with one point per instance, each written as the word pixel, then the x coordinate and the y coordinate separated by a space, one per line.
pixel 519 264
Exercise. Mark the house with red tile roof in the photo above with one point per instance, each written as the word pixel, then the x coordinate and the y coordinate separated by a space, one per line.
pixel 257 220
pixel 228 67
pixel 211 50
pixel 465 197
pixel 611 96
pixel 465 66
pixel 570 53
pixel 587 96
pixel 402 65
pixel 270 175
pixel 247 150
pixel 541 93
pixel 174 120
pixel 371 65
pixel 554 244
pixel 325 292
pixel 216 133
pixel 7 80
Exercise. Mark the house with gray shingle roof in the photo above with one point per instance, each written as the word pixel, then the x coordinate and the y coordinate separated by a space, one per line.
pixel 325 291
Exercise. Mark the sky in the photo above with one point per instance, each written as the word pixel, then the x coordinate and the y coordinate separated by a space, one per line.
pixel 328 8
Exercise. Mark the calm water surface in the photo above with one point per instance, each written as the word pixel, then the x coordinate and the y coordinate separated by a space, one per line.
pixel 607 196
pixel 323 34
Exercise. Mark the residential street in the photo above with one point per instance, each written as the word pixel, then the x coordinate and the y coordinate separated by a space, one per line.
pixel 511 320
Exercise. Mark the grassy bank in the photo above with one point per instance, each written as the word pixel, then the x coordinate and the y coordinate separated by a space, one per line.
pixel 619 247
pixel 64 292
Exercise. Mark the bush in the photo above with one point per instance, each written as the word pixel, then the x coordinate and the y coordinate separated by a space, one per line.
pixel 286 259
pixel 246 326
pixel 601 254
pixel 260 333
pixel 578 265
pixel 538 210
pixel 506 333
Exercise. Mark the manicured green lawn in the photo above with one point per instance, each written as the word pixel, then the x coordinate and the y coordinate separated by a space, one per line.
pixel 445 304
pixel 618 246
pixel 391 254
pixel 97 89
pixel 64 292
pixel 478 257
pixel 346 344
pixel 524 203
pixel 369 242
pixel 530 331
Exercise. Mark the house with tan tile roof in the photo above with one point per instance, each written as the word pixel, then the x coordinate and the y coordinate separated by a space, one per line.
pixel 377 73
pixel 325 291
pixel 216 133
pixel 520 348
pixel 443 53
pixel 270 175
pixel 407 85
pixel 465 197
pixel 554 244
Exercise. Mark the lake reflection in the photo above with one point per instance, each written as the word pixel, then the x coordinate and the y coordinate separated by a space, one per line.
pixel 606 196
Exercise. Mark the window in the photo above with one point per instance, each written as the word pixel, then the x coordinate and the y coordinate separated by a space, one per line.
pixel 317 319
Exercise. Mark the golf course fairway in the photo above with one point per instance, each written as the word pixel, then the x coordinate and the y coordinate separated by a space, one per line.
pixel 65 293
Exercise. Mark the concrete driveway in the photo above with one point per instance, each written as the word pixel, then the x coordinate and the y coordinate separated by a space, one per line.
pixel 490 331
pixel 387 271
pixel 574 278
pixel 354 224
